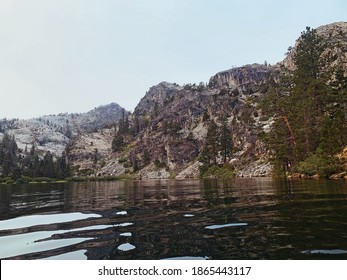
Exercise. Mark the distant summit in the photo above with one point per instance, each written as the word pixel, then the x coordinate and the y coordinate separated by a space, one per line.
pixel 335 37
pixel 54 132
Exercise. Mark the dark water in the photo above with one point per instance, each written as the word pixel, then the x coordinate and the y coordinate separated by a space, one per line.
pixel 235 219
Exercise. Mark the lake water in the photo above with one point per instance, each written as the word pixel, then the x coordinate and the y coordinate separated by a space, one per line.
pixel 254 218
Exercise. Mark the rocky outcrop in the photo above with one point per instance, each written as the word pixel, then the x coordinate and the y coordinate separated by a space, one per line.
pixel 54 132
pixel 169 124
pixel 176 131
pixel 90 151
pixel 177 117
pixel 246 79
pixel 335 37
pixel 156 98
pixel 192 171
pixel 340 175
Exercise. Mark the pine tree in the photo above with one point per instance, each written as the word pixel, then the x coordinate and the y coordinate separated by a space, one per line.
pixel 225 140
pixel 309 112
pixel 210 151
pixel 117 142
pixel 8 155
pixel 48 167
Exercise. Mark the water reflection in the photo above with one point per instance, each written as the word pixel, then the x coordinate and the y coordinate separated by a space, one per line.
pixel 249 218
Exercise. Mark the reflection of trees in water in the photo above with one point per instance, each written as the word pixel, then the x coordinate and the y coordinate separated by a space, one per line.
pixel 283 218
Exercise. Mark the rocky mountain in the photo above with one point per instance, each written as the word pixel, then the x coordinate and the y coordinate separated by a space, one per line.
pixel 171 124
pixel 335 38
pixel 166 133
pixel 54 132
pixel 177 117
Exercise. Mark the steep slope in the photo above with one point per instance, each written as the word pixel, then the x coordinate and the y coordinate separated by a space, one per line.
pixel 168 129
pixel 178 118
pixel 175 118
pixel 54 132
pixel 335 37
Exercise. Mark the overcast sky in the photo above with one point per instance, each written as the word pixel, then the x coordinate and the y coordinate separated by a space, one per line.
pixel 74 55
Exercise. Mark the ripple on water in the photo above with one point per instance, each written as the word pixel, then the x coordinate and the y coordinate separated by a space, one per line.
pixel 34 220
pixel 226 225
pixel 326 252
pixel 188 215
pixel 30 241
pixel 75 255
pixel 126 247
pixel 34 242
pixel 126 234
pixel 122 213
pixel 124 225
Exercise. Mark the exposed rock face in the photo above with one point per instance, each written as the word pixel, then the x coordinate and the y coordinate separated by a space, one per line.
pixel 170 123
pixel 100 117
pixel 54 132
pixel 247 78
pixel 156 97
pixel 154 174
pixel 176 131
pixel 89 151
pixel 335 36
pixel 176 127
pixel 192 171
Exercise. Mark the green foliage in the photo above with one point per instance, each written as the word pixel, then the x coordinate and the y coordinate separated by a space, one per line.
pixel 225 141
pixel 209 153
pixel 124 124
pixel 8 155
pixel 159 164
pixel 125 162
pixel 117 142
pixel 15 165
pixel 218 144
pixel 97 179
pixel 309 109
pixel 319 164
pixel 215 171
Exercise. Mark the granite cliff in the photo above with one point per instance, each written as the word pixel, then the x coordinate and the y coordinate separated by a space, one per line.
pixel 54 132
pixel 167 130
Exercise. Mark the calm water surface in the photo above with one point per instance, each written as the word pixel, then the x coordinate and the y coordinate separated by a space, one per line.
pixel 172 219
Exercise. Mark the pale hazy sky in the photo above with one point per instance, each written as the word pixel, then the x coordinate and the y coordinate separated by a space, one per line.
pixel 74 55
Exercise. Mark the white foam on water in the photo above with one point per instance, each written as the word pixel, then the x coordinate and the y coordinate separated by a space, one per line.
pixel 226 225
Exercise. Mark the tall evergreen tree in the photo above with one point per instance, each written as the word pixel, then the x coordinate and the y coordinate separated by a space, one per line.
pixel 307 109
pixel 117 142
pixel 210 151
pixel 226 144
pixel 8 154
pixel 48 167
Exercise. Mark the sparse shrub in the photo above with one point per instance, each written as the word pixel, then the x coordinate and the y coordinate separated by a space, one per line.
pixel 322 165
pixel 215 171
pixel 159 164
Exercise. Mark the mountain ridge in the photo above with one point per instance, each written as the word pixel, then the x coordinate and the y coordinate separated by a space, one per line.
pixel 166 133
